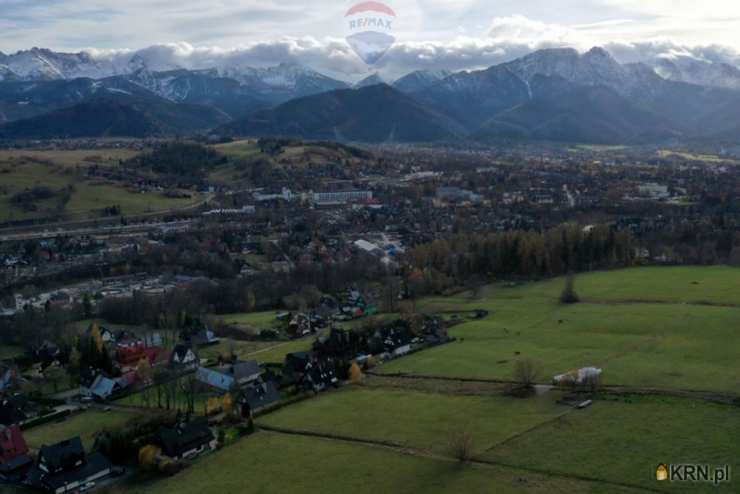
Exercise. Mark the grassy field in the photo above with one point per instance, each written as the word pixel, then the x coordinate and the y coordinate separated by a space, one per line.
pixel 226 345
pixel 644 327
pixel 258 320
pixel 276 352
pixel 672 328
pixel 274 463
pixel 68 158
pixel 706 158
pixel 625 441
pixel 147 399
pixel 423 421
pixel 239 149
pixel 86 425
pixel 57 170
pixel 262 351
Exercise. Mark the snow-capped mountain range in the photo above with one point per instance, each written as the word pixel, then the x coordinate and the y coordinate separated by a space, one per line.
pixel 554 94
pixel 592 67
pixel 43 64
pixel 271 84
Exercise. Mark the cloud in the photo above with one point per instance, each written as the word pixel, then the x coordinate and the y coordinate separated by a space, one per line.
pixel 509 38
pixel 521 29
pixel 433 34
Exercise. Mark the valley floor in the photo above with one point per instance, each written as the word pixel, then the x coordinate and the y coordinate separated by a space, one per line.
pixel 666 338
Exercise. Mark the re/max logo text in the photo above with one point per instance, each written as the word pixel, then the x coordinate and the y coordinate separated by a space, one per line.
pixel 370 22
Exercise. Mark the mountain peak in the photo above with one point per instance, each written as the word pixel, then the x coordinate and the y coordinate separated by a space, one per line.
pixel 598 51
pixel 372 80
pixel 420 80
pixel 598 55
pixel 594 68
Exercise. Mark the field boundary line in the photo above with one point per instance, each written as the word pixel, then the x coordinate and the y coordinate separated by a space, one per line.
pixel 531 429
pixel 611 389
pixel 420 453
pixel 689 303
pixel 403 375
pixel 583 478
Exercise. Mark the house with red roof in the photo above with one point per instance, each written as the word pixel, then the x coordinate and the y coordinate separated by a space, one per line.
pixel 14 459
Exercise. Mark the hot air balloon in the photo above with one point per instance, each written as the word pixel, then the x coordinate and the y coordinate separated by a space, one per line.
pixel 370 30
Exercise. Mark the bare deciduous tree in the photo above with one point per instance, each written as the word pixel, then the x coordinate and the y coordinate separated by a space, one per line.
pixel 461 446
pixel 569 295
pixel 527 372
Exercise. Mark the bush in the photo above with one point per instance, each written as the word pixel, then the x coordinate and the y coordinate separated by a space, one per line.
pixel 149 458
pixel 461 446
pixel 527 372
pixel 355 373
pixel 170 467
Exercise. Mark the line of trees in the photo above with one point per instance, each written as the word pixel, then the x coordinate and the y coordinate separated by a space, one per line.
pixel 441 264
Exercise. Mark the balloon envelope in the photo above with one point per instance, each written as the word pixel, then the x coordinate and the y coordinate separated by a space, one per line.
pixel 370 46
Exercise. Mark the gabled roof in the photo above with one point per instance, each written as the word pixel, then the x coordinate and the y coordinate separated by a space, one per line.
pixel 12 443
pixel 62 456
pixel 204 337
pixel 94 465
pixel 243 370
pixel 180 352
pixel 127 379
pixel 102 387
pixel 7 375
pixel 10 412
pixel 226 376
pixel 261 395
pixel 214 378
pixel 185 437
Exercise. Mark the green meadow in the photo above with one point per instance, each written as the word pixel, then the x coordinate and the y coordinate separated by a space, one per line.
pixel 652 327
pixel 58 170
pixel 424 421
pixel 277 463
pixel 674 329
pixel 625 440
pixel 86 425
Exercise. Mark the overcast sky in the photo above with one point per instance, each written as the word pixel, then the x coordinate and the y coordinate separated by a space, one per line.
pixel 453 34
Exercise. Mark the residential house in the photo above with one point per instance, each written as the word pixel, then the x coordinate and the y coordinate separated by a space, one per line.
pixel 183 357
pixel 319 375
pixel 14 459
pixel 230 377
pixel 257 397
pixel 103 387
pixel 8 378
pixel 107 335
pixel 187 440
pixel 204 337
pixel 131 351
pixel 64 467
pixel 295 364
pixel 300 325
pixel 47 353
pixel 12 410
pixel 307 371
